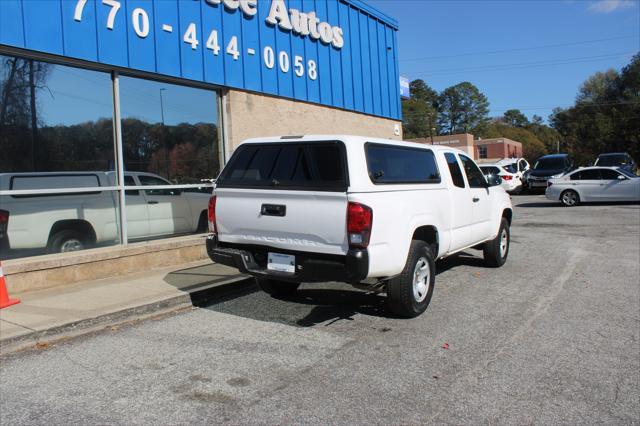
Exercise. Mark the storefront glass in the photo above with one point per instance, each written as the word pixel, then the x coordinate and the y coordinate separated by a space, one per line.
pixel 59 189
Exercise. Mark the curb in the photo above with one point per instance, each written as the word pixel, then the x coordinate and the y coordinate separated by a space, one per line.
pixel 193 297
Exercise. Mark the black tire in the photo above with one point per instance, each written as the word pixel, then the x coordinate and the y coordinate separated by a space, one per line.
pixel 277 288
pixel 67 240
pixel 495 255
pixel 570 198
pixel 402 300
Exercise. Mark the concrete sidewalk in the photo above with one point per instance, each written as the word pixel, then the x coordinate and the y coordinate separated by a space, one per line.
pixel 83 307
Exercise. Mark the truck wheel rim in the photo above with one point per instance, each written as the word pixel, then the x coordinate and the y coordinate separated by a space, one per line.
pixel 421 279
pixel 504 243
pixel 71 245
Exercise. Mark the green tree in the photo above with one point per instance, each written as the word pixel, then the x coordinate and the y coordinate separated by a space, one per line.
pixel 515 118
pixel 419 112
pixel 605 117
pixel 462 109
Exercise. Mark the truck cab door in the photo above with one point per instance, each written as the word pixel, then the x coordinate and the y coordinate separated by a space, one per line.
pixel 169 211
pixel 481 200
pixel 461 206
pixel 136 208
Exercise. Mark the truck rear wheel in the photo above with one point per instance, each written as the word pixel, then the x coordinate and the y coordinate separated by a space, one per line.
pixel 409 294
pixel 277 288
pixel 67 240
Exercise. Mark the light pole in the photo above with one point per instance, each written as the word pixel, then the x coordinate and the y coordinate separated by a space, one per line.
pixel 162 105
pixel 164 139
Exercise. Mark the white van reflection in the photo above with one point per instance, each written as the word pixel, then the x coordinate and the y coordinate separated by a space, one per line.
pixel 52 223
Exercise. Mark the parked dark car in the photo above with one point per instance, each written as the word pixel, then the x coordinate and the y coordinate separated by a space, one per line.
pixel 547 167
pixel 617 159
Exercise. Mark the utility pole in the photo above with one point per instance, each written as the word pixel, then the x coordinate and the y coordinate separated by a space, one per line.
pixel 558 147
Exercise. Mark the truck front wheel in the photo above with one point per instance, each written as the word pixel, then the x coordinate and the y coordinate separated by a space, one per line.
pixel 409 294
pixel 277 288
pixel 497 250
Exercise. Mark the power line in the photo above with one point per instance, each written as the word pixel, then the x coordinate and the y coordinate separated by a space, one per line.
pixel 489 52
pixel 585 105
pixel 534 64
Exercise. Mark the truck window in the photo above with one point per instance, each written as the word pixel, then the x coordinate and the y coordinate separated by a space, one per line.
pixel 128 181
pixel 454 169
pixel 318 166
pixel 474 175
pixel 146 180
pixel 395 164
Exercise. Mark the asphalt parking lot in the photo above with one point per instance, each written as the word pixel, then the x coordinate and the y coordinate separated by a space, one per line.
pixel 552 337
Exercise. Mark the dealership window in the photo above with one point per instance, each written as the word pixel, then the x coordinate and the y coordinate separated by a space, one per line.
pixel 56 140
pixel 482 151
pixel 59 185
pixel 169 137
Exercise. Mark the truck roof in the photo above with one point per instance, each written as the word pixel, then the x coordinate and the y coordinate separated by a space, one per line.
pixel 349 139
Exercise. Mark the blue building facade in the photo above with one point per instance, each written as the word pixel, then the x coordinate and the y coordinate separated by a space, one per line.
pixel 338 53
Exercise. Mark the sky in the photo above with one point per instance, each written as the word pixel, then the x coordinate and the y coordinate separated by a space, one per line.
pixel 530 55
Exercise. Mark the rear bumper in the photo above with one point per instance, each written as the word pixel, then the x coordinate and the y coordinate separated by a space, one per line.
pixel 310 267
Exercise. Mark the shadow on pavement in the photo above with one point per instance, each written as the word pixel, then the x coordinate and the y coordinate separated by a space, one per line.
pixel 313 304
pixel 541 204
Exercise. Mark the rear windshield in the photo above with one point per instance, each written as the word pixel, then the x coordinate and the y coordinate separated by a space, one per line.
pixel 396 164
pixel 553 163
pixel 611 160
pixel 317 166
pixel 511 168
pixel 490 170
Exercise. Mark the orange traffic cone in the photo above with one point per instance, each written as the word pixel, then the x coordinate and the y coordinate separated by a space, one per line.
pixel 5 300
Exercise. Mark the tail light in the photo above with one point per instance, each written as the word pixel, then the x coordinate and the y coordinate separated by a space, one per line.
pixel 506 177
pixel 4 222
pixel 359 221
pixel 211 213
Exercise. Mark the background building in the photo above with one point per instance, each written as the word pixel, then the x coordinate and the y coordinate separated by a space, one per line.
pixel 112 112
pixel 480 149
pixel 171 87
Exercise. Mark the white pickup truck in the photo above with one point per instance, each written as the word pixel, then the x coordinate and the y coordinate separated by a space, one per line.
pixel 370 212
pixel 74 221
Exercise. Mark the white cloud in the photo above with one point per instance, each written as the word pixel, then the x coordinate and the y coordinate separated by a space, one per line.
pixel 608 6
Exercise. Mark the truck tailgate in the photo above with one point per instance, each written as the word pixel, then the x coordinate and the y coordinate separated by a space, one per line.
pixel 291 220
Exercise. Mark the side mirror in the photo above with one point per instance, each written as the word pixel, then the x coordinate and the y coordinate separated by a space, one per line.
pixel 620 177
pixel 494 180
pixel 176 191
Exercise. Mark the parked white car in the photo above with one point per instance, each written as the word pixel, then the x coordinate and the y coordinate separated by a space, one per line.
pixel 594 184
pixel 510 181
pixel 515 165
pixel 70 222
pixel 371 212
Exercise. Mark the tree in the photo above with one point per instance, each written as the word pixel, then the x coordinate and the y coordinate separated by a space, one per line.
pixel 419 112
pixel 463 108
pixel 598 87
pixel 536 119
pixel 605 117
pixel 515 118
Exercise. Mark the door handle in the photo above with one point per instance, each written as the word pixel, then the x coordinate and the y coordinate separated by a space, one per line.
pixel 152 202
pixel 476 199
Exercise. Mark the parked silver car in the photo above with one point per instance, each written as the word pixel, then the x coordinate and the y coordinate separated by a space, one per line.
pixel 594 184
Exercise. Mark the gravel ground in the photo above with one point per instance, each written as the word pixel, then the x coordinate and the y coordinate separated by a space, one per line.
pixel 552 337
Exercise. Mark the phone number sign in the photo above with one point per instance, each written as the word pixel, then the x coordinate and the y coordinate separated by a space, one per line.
pixel 324 51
